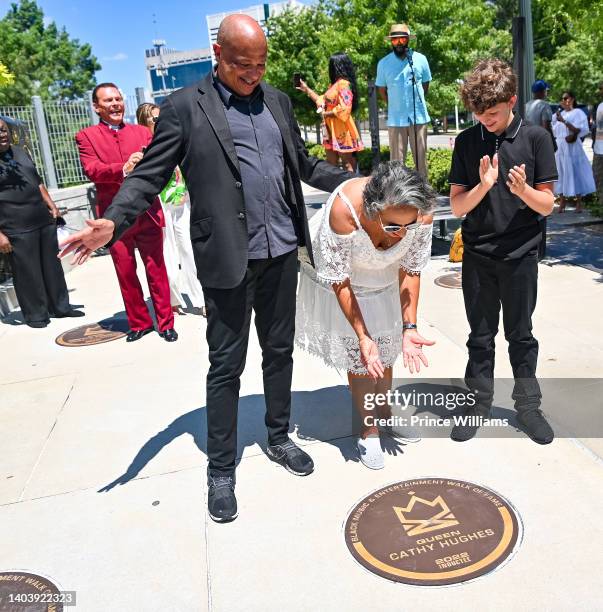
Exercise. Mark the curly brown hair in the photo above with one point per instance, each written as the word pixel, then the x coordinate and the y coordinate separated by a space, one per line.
pixel 490 82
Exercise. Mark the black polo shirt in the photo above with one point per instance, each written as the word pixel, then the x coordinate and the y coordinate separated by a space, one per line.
pixel 501 226
pixel 22 208
pixel 259 146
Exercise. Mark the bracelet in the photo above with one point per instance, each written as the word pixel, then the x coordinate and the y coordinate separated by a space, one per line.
pixel 409 326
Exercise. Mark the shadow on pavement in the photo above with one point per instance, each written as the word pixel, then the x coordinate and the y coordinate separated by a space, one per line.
pixel 323 415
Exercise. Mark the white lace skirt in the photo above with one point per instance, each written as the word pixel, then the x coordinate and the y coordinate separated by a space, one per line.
pixel 322 329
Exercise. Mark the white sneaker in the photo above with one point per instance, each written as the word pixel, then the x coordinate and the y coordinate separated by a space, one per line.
pixel 370 452
pixel 406 433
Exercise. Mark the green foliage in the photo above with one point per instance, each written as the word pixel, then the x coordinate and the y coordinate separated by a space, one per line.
pixel 293 48
pixel 6 78
pixel 365 159
pixel 438 169
pixel 44 60
pixel 316 150
pixel 576 66
pixel 451 33
pixel 438 163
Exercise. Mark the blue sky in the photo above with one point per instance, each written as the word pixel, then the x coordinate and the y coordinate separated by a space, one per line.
pixel 120 30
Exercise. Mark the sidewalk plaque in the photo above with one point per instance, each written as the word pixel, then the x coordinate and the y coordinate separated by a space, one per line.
pixel 94 333
pixel 25 592
pixel 452 280
pixel 432 531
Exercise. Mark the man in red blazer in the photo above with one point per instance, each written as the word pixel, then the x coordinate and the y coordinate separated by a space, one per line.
pixel 109 151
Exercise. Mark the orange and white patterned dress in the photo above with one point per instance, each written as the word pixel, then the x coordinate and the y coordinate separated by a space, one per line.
pixel 339 131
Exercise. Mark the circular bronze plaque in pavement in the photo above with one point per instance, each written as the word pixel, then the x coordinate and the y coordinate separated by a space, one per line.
pixel 449 281
pixel 24 592
pixel 94 333
pixel 432 532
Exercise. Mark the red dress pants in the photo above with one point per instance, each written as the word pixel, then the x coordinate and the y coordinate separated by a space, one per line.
pixel 147 237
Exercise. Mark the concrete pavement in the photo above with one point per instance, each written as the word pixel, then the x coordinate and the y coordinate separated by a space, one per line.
pixel 102 477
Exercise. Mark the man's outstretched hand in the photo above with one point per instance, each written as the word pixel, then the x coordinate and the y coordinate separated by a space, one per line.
pixel 83 243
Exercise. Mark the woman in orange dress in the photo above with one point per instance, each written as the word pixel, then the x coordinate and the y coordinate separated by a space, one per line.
pixel 340 134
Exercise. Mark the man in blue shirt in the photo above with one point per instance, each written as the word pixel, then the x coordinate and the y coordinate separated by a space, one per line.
pixel 403 79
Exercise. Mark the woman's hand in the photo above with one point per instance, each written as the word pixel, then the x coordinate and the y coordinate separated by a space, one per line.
pixel 412 350
pixel 303 86
pixel 369 355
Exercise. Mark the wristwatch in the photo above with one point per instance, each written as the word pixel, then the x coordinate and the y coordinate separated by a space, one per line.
pixel 409 326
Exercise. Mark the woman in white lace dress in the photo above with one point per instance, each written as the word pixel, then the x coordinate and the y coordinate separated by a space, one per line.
pixel 357 310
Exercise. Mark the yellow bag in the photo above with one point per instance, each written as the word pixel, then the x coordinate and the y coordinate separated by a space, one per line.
pixel 456 248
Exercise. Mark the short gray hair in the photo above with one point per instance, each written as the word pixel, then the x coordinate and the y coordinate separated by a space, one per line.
pixel 393 184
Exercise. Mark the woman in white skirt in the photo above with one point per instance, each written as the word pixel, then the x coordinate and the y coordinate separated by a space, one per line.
pixel 177 247
pixel 357 310
pixel 570 125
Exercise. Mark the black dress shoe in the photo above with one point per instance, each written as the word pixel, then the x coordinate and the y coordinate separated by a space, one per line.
pixel 137 334
pixel 291 457
pixel 37 324
pixel 70 313
pixel 221 500
pixel 169 335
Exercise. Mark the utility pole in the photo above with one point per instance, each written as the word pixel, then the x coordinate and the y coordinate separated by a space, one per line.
pixel 523 53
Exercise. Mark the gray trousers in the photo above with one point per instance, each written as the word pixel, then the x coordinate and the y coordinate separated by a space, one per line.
pixel 398 144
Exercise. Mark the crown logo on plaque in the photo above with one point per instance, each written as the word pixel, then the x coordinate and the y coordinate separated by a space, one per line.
pixel 417 517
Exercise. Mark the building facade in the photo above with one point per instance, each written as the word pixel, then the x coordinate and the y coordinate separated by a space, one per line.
pixel 169 70
pixel 259 12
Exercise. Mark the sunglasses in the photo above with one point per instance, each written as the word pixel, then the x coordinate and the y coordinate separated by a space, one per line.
pixel 397 39
pixel 565 98
pixel 392 228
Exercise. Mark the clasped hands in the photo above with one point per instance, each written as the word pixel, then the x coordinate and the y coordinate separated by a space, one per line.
pixel 488 175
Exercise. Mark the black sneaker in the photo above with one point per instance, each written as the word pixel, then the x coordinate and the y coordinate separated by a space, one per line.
pixel 467 424
pixel 536 426
pixel 291 457
pixel 221 500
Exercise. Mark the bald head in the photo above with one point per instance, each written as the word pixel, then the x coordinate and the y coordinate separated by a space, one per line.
pixel 240 29
pixel 240 52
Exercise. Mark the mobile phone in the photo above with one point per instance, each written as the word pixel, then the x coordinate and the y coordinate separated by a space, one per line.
pixel 297 79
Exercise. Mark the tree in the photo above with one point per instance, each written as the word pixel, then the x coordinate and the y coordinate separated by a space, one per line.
pixel 292 47
pixel 44 60
pixel 6 78
pixel 451 33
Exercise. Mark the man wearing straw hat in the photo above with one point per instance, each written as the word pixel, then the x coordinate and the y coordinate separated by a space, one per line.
pixel 403 78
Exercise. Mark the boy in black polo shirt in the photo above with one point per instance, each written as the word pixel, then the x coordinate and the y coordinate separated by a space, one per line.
pixel 501 180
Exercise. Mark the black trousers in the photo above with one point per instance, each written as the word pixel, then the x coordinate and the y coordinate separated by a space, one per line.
pixel 38 275
pixel 269 288
pixel 489 284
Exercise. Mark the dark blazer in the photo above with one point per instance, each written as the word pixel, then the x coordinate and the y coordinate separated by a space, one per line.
pixel 193 133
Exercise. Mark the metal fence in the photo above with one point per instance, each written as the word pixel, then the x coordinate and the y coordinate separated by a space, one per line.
pixel 49 136
pixel 63 121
